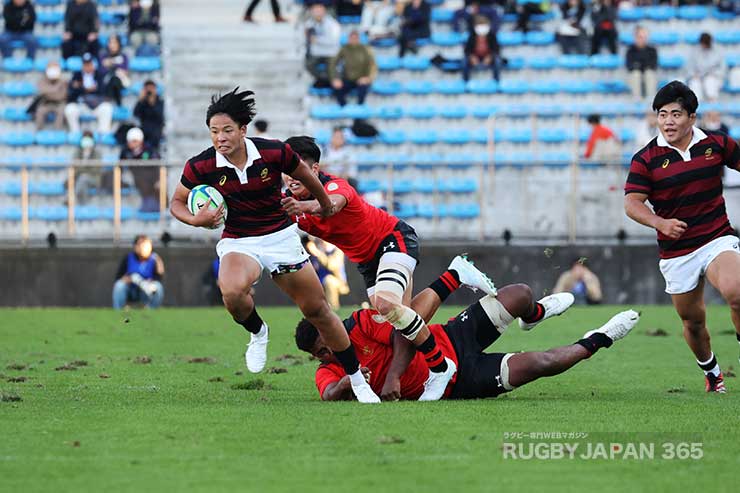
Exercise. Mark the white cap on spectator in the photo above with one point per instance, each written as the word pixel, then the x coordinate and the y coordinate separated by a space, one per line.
pixel 134 135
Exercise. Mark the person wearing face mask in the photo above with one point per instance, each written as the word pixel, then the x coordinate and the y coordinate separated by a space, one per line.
pixel 88 178
pixel 481 49
pixel 378 19
pixel 146 178
pixel 139 276
pixel 143 23
pixel 52 94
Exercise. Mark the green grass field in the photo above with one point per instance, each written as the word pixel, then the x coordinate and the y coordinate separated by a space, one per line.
pixel 161 401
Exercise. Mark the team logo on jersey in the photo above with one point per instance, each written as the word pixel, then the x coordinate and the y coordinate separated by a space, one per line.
pixel 264 174
pixel 222 180
pixel 665 163
pixel 366 350
pixel 708 153
pixel 332 186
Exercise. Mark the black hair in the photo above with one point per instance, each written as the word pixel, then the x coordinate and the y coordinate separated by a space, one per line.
pixel 139 238
pixel 305 335
pixel 594 119
pixel 261 125
pixel 676 92
pixel 705 39
pixel 305 147
pixel 239 106
pixel 149 82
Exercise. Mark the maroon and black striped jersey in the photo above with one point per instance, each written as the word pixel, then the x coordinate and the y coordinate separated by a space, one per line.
pixel 688 188
pixel 253 195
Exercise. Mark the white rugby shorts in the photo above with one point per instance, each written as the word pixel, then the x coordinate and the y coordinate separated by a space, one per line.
pixel 682 273
pixel 280 252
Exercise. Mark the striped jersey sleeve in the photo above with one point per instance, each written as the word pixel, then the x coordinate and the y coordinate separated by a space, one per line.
pixel 638 179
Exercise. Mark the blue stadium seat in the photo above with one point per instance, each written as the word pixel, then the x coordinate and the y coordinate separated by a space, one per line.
pixel 388 63
pixel 48 213
pixel 450 87
pixel 727 37
pixel 353 139
pixel 57 161
pixel 326 112
pixel 693 12
pixel 349 19
pixel 450 38
pixel 442 15
pixel 510 38
pixel 386 87
pixel 50 42
pixel 355 111
pixel 147 216
pixel 421 112
pixel 415 63
pixel 541 63
pixel 605 62
pixel 426 211
pixel 18 65
pixel 136 87
pixel 49 3
pixel 122 113
pixel 578 86
pixel 513 86
pixel 515 63
pixel 483 110
pixel 18 139
pixel 425 160
pixel 423 136
pixel 73 64
pixel 16 114
pixel 12 213
pixel 573 62
pixel 456 136
pixel 405 210
pixel 384 42
pixel 479 135
pixel 145 64
pixel 465 211
pixel 556 159
pixel 616 86
pixel 735 133
pixel 551 110
pixel 540 38
pixel 584 133
pixel 453 112
pixel 418 87
pixel 424 185
pixel 313 91
pixel 661 38
pixel 111 18
pixel 459 185
pixel 551 135
pixel 723 16
pixel 12 188
pixel 370 185
pixel 544 86
pixel 514 135
pixel 345 37
pixel 393 137
pixel 733 60
pixel 626 134
pixel 322 136
pixel 88 213
pixel 670 62
pixel 626 37
pixel 660 13
pixel 631 14
pixel 47 188
pixel 50 17
pixel 691 37
pixel 389 112
pixel 482 86
pixel 53 138
pixel 402 186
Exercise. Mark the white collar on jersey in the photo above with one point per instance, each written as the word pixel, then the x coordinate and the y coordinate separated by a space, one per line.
pixel 252 155
pixel 697 136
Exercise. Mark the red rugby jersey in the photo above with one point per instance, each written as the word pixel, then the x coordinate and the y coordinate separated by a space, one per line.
pixel 373 345
pixel 357 229
pixel 687 190
pixel 254 206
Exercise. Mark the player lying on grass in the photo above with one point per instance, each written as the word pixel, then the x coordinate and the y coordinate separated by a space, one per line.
pixel 397 373
pixel 258 234
pixel 386 251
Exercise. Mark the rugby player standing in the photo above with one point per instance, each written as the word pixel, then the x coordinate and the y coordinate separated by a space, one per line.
pixel 680 173
pixel 258 234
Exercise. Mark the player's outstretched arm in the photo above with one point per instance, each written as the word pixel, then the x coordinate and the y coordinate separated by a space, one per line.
pixel 303 174
pixel 206 217
pixel 403 352
pixel 340 390
pixel 297 207
pixel 636 209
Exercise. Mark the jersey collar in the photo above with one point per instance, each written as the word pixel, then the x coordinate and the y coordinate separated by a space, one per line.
pixel 252 155
pixel 697 136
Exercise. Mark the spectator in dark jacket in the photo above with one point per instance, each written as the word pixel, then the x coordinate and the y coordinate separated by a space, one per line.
pixel 114 66
pixel 139 276
pixel 146 178
pixel 20 18
pixel 570 31
pixel 143 23
pixel 87 94
pixel 604 18
pixel 150 112
pixel 481 49
pixel 463 20
pixel 414 25
pixel 642 62
pixel 81 26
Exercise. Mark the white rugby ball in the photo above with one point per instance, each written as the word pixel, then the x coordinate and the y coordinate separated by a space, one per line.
pixel 206 196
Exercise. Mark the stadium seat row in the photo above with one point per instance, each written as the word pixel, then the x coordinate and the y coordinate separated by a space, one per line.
pixel 82 213
pixel 450 162
pixel 53 138
pixel 19 114
pixel 430 211
pixel 24 88
pixel 56 17
pixel 74 64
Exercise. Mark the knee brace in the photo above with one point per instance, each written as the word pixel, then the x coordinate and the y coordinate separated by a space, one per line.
pixel 497 313
pixel 405 320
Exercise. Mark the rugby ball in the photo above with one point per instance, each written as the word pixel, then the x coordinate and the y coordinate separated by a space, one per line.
pixel 206 196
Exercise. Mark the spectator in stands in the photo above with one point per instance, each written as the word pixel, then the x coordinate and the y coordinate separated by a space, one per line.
pixel 328 261
pixel 647 130
pixel 52 94
pixel 146 178
pixel 602 145
pixel 81 27
pixel 87 93
pixel 338 159
pixel 713 121
pixel 379 19
pixel 706 70
pixel 463 18
pixel 143 23
pixel 139 277
pixel 581 282
pixel 571 32
pixel 260 129
pixel 353 68
pixel 89 178
pixel 150 112
pixel 114 67
pixel 20 18
pixel 642 62
pixel 415 25
pixel 481 49
pixel 528 8
pixel 323 35
pixel 275 11
pixel 348 8
pixel 604 18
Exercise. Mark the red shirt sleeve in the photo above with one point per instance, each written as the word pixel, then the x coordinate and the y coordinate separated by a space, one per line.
pixel 191 177
pixel 326 374
pixel 339 186
pixel 638 179
pixel 290 160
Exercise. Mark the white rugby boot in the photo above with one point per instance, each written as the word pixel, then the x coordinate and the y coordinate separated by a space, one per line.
pixel 364 393
pixel 618 326
pixel 256 355
pixel 554 304
pixel 470 276
pixel 434 387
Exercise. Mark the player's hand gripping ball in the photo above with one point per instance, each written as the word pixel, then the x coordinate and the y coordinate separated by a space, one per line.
pixel 206 196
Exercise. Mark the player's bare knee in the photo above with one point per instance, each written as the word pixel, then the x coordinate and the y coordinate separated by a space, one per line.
pixel 733 300
pixel 516 298
pixel 315 310
pixel 695 327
